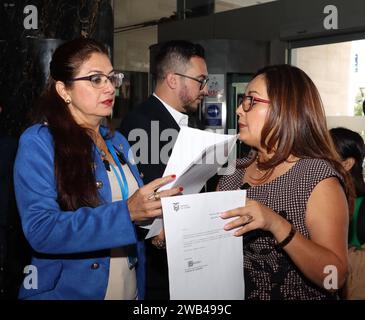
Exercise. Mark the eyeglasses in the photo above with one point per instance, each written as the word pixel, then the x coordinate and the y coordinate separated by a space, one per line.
pixel 99 80
pixel 202 82
pixel 247 102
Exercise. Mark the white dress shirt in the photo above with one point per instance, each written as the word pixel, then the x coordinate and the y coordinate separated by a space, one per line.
pixel 180 118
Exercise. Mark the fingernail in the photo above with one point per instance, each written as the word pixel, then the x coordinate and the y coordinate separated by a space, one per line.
pixel 173 176
pixel 181 189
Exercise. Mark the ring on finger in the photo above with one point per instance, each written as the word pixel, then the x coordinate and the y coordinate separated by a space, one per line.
pixel 154 196
pixel 248 218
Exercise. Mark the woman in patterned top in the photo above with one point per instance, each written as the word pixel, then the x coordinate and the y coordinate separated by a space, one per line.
pixel 294 224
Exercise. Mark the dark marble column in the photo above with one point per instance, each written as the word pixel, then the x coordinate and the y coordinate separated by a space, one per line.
pixel 25 53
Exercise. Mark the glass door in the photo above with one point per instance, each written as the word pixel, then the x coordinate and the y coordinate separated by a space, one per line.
pixel 338 71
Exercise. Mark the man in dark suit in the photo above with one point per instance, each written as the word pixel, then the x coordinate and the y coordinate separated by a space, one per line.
pixel 152 128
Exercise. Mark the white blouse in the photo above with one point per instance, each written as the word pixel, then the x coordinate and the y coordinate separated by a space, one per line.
pixel 122 283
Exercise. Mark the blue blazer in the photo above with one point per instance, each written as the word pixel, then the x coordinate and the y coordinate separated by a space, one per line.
pixel 71 248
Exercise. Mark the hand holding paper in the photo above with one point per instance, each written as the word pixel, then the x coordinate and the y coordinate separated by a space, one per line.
pixel 144 204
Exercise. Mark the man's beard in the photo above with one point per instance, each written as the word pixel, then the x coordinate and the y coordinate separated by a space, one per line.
pixel 190 105
pixel 189 109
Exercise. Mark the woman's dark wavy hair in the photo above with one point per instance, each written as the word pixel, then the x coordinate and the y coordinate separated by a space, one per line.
pixel 296 123
pixel 349 144
pixel 73 145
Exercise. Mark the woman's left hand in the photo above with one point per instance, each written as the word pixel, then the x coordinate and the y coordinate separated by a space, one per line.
pixel 250 217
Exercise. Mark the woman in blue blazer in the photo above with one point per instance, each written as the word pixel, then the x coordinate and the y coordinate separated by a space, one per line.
pixel 78 190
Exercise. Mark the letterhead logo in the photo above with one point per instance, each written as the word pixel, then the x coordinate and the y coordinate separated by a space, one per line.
pixel 176 206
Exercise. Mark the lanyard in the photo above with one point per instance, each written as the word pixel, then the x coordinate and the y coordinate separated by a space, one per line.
pixel 122 184
pixel 132 256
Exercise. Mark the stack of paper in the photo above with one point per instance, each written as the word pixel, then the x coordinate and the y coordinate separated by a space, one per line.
pixel 196 157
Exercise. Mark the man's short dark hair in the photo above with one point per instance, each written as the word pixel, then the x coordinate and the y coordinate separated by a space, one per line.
pixel 175 56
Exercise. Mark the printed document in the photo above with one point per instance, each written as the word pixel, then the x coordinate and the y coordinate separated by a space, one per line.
pixel 196 157
pixel 204 260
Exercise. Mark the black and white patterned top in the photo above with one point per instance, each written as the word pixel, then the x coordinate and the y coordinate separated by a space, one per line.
pixel 269 272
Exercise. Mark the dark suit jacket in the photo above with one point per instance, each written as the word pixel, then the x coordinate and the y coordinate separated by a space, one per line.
pixel 148 116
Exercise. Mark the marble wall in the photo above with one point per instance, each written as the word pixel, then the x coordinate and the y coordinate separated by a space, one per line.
pixel 25 51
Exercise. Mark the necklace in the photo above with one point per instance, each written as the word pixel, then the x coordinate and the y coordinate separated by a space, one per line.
pixel 257 162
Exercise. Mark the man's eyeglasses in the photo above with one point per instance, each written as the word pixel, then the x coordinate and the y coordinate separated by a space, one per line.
pixel 247 102
pixel 202 82
pixel 99 80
